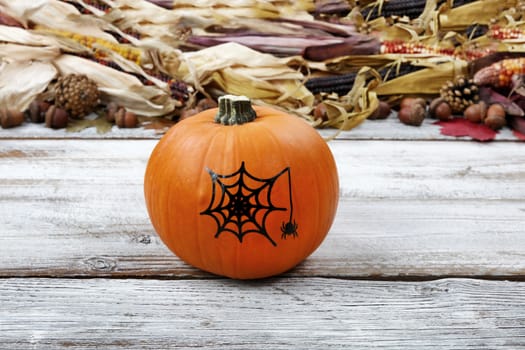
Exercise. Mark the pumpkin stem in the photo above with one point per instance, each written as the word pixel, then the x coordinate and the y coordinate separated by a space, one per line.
pixel 234 110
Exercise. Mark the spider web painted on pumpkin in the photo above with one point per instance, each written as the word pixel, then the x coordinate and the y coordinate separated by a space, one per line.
pixel 240 203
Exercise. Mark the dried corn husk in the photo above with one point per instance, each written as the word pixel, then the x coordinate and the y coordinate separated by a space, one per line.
pixel 22 80
pixel 59 23
pixel 21 36
pixel 477 12
pixel 402 27
pixel 27 71
pixel 58 15
pixel 427 81
pixel 247 8
pixel 236 69
pixel 122 88
pixel 347 112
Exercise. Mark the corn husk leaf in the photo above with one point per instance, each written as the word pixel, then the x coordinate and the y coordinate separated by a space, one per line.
pixel 236 69
pixel 21 36
pixel 349 111
pixel 478 12
pixel 122 88
pixel 56 14
pixel 22 81
pixel 427 81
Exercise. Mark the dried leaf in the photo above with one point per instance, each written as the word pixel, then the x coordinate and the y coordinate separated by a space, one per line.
pixel 519 135
pixel 490 96
pixel 160 125
pixel 517 123
pixel 100 123
pixel 462 127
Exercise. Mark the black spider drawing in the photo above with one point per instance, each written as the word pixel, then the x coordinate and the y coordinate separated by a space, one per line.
pixel 289 229
pixel 241 203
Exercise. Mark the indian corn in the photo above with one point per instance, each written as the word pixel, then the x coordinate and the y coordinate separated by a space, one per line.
pixel 499 74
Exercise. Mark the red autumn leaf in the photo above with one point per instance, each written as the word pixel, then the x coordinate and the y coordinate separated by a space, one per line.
pixel 517 124
pixel 519 135
pixel 463 127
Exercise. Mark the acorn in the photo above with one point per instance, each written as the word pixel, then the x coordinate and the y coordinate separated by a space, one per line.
pixel 126 119
pixel 412 115
pixel 495 118
pixel 187 113
pixel 34 114
pixel 10 118
pixel 56 118
pixel 408 101
pixel 206 103
pixel 111 110
pixel 440 109
pixel 476 112
pixel 382 111
pixel 36 111
pixel 321 112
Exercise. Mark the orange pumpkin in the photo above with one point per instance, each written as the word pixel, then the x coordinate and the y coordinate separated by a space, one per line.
pixel 241 191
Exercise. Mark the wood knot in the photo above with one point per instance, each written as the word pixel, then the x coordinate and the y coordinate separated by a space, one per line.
pixel 144 239
pixel 101 264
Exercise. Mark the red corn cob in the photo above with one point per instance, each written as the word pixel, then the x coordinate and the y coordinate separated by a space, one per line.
pixel 405 47
pixel 499 33
pixel 499 74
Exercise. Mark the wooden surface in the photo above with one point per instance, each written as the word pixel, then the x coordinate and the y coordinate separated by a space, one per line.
pixel 427 251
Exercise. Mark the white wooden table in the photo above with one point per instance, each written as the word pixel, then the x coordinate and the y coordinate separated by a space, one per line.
pixel 427 251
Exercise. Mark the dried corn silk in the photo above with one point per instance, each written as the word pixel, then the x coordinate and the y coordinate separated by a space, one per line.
pixel 236 69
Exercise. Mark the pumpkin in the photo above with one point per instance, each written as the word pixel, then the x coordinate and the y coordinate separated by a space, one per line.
pixel 242 191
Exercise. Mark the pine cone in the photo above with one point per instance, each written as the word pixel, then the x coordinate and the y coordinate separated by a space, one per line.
pixel 460 93
pixel 77 94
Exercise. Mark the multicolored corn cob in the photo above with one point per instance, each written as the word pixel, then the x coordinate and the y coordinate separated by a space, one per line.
pixel 411 48
pixel 499 74
pixel 503 33
pixel 407 47
pixel 393 71
pixel 476 30
pixel 458 3
pixel 179 90
pixel 342 84
pixel 411 9
pixel 127 51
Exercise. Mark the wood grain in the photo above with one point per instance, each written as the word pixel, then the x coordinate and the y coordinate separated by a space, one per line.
pixel 282 313
pixel 407 209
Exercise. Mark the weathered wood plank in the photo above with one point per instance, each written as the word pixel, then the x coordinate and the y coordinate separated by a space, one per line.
pixel 284 313
pixel 387 129
pixel 76 208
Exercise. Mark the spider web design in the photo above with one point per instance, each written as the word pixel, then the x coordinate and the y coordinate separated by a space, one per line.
pixel 240 202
